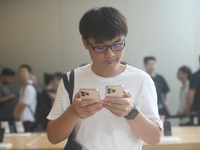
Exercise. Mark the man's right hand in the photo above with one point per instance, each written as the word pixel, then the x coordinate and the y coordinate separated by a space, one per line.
pixel 85 108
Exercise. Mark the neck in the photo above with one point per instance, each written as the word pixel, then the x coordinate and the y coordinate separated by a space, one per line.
pixel 108 72
pixel 25 81
pixel 152 74
pixel 184 81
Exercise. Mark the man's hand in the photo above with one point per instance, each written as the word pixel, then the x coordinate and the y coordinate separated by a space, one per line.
pixel 85 108
pixel 119 106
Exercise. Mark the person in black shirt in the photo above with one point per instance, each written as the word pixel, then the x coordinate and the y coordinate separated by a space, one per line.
pixel 194 93
pixel 161 85
pixel 6 96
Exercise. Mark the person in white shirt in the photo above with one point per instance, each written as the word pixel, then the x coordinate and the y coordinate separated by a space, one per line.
pixel 184 74
pixel 26 107
pixel 109 123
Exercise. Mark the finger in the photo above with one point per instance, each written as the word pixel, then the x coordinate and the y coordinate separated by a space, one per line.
pixel 88 102
pixel 119 101
pixel 92 107
pixel 127 93
pixel 113 100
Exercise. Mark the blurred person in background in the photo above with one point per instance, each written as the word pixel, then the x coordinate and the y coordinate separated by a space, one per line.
pixel 162 87
pixel 194 95
pixel 48 96
pixel 26 106
pixel 184 74
pixel 6 96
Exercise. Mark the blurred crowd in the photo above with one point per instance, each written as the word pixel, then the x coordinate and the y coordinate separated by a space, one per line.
pixel 33 103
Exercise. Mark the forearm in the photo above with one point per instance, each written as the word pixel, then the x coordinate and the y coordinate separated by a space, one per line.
pixel 18 110
pixel 166 98
pixel 4 99
pixel 147 130
pixel 60 128
pixel 190 98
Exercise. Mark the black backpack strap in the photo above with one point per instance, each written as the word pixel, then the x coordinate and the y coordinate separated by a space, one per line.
pixel 69 84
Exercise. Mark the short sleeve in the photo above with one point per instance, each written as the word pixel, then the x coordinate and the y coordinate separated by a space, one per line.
pixel 61 102
pixel 194 81
pixel 165 86
pixel 29 95
pixel 147 102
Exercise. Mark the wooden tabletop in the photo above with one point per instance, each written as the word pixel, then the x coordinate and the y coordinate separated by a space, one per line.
pixel 30 141
pixel 183 138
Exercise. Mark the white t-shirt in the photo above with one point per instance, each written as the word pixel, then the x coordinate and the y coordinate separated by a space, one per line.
pixel 104 130
pixel 28 96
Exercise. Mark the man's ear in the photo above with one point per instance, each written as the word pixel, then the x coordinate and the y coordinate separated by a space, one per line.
pixel 85 44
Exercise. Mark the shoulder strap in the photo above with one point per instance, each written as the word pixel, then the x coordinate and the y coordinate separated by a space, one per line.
pixel 69 84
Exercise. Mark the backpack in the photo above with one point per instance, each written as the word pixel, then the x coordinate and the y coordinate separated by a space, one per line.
pixel 69 86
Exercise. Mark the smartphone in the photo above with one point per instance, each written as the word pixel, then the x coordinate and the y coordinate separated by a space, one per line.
pixel 89 93
pixel 2 131
pixel 114 91
pixel 167 128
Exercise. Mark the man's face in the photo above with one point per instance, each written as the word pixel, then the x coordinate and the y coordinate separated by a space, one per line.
pixel 7 79
pixel 108 59
pixel 24 74
pixel 150 67
pixel 181 75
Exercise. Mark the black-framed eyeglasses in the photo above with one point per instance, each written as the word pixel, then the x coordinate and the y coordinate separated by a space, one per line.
pixel 102 49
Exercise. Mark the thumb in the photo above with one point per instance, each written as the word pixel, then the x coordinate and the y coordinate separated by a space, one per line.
pixel 127 93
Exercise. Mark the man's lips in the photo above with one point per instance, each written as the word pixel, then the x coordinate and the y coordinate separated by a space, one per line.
pixel 109 61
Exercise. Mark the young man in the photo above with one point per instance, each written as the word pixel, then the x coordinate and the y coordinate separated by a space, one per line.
pixel 25 109
pixel 110 123
pixel 184 74
pixel 6 97
pixel 194 93
pixel 162 87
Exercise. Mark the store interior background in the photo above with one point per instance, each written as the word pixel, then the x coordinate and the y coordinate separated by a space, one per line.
pixel 45 35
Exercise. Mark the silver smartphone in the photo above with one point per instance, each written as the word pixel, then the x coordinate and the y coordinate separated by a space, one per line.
pixel 114 91
pixel 89 93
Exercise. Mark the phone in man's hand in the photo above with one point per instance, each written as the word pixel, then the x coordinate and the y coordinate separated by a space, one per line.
pixel 114 91
pixel 89 93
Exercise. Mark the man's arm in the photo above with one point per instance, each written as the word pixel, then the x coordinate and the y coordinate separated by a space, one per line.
pixel 191 94
pixel 18 110
pixel 166 98
pixel 145 128
pixel 7 98
pixel 60 128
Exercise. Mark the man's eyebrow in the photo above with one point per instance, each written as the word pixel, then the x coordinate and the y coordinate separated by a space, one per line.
pixel 116 41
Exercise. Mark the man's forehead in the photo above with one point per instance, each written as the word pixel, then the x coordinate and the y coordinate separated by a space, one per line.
pixel 114 40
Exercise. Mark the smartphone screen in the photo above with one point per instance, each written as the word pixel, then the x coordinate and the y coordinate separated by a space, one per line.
pixel 89 93
pixel 114 91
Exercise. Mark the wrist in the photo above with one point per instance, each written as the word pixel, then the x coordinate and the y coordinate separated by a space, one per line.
pixel 132 114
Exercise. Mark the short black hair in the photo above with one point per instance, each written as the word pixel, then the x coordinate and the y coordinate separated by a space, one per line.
pixel 27 67
pixel 147 58
pixel 103 24
pixel 187 70
pixel 7 72
pixel 48 78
